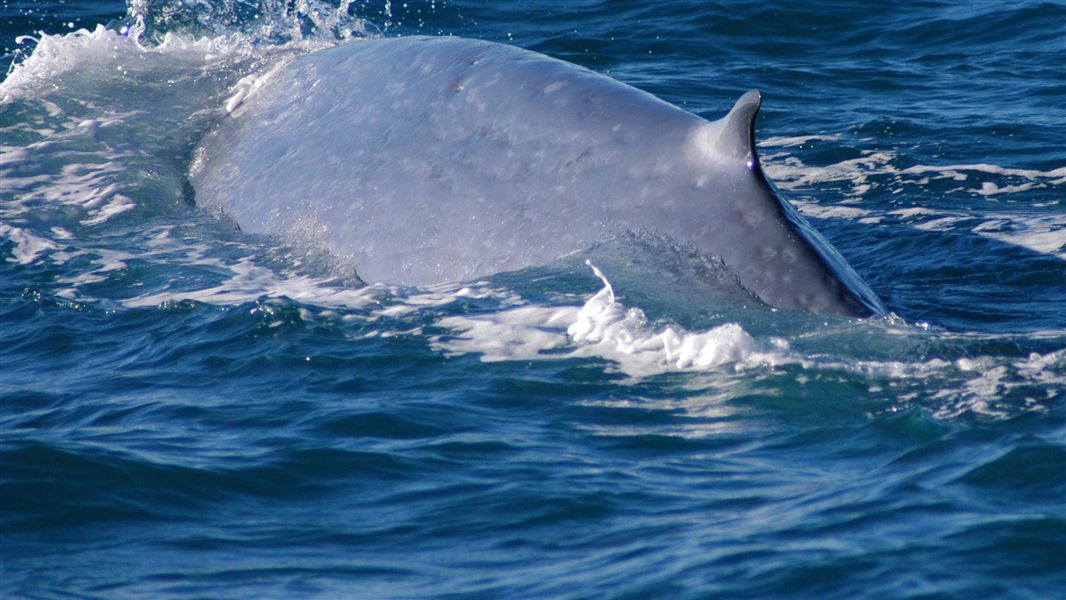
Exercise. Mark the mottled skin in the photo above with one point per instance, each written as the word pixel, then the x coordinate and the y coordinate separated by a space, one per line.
pixel 444 159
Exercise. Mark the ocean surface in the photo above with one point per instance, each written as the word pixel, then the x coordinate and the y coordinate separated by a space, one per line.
pixel 191 411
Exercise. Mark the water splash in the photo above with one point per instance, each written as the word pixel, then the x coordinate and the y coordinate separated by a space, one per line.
pixel 264 21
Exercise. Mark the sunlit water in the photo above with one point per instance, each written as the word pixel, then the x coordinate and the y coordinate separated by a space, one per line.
pixel 188 410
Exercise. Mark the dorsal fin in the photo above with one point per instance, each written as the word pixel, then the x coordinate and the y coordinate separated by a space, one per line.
pixel 737 136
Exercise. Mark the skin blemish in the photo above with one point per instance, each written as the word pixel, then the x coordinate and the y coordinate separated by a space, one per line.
pixel 555 87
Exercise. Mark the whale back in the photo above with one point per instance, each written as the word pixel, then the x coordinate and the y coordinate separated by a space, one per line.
pixel 442 159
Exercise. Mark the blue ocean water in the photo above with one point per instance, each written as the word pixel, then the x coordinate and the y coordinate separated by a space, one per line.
pixel 187 410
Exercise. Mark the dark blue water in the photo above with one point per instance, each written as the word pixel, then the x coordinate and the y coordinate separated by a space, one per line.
pixel 190 411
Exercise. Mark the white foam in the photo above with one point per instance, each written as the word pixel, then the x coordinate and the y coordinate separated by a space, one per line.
pixel 102 263
pixel 952 170
pixel 250 282
pixel 1051 242
pixel 792 174
pixel 993 379
pixel 117 206
pixel 604 328
pixel 523 333
pixel 834 211
pixel 941 224
pixel 789 172
pixel 27 245
pixel 913 212
pixel 1044 233
pixel 57 55
pixel 799 140
pixel 90 187
pixel 441 295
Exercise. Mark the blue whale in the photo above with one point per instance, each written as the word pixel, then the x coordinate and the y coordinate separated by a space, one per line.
pixel 429 160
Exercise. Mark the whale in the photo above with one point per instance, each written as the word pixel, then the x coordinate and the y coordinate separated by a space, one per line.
pixel 427 160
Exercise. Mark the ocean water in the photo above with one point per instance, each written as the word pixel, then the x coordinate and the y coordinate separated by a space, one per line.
pixel 188 410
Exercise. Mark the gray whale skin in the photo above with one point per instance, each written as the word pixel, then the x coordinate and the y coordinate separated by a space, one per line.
pixel 431 160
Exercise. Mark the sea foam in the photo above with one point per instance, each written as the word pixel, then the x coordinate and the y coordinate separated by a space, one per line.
pixel 605 328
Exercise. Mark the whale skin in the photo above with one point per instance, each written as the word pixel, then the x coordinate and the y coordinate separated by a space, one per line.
pixel 440 159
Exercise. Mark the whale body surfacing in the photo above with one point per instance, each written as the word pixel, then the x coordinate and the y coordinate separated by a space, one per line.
pixel 433 160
